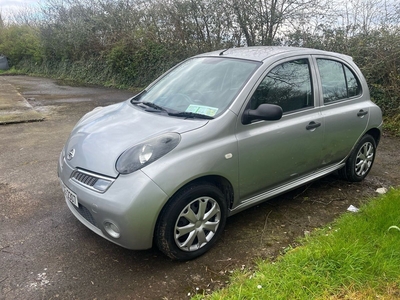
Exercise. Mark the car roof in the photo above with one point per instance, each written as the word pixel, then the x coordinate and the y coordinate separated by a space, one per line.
pixel 261 53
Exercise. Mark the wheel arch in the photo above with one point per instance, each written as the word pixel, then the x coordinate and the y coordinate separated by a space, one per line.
pixel 220 182
pixel 376 134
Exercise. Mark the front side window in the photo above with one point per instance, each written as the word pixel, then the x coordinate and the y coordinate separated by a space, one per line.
pixel 287 85
pixel 338 81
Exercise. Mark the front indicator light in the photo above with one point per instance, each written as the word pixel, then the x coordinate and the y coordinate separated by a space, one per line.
pixel 102 185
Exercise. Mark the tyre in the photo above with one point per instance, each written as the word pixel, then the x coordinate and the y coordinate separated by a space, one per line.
pixel 191 222
pixel 360 160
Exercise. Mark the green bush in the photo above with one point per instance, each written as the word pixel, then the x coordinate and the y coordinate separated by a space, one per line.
pixel 20 42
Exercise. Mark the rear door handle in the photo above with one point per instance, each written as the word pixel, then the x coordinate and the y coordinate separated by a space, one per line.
pixel 362 113
pixel 312 125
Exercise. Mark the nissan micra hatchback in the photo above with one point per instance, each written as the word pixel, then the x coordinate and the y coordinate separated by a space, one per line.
pixel 216 134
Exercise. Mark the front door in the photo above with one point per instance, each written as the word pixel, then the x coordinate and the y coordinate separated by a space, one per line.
pixel 273 152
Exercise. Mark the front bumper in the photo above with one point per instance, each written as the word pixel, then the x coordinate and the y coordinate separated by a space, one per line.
pixel 132 203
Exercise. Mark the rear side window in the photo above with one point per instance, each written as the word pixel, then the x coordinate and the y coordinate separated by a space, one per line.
pixel 338 81
pixel 287 85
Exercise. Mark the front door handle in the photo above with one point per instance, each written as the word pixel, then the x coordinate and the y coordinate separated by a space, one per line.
pixel 362 113
pixel 312 125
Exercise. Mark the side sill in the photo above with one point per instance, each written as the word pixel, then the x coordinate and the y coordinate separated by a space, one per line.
pixel 283 189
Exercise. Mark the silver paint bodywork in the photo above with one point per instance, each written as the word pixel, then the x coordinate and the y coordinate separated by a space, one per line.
pixel 253 162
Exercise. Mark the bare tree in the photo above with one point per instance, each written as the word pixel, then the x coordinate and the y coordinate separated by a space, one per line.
pixel 261 20
pixel 364 16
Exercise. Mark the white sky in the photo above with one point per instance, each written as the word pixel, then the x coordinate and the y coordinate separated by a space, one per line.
pixel 10 5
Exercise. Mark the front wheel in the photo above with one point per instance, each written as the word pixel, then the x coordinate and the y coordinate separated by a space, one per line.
pixel 191 222
pixel 360 160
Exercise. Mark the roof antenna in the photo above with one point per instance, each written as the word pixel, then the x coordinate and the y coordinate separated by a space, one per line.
pixel 222 52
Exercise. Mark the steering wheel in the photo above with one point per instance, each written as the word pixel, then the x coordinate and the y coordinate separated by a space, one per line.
pixel 197 96
pixel 182 100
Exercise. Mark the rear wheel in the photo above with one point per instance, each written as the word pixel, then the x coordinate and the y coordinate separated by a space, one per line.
pixel 191 222
pixel 360 160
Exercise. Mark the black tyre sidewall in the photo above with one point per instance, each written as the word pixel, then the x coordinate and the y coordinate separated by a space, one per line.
pixel 351 162
pixel 166 225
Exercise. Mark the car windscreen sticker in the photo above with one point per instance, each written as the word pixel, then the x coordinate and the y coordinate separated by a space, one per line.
pixel 203 110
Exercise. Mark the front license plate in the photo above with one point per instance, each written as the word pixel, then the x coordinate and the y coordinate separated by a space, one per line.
pixel 70 196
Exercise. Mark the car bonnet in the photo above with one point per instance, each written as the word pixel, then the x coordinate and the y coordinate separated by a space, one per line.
pixel 101 136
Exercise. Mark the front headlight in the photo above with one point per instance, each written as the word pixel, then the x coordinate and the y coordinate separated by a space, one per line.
pixel 145 153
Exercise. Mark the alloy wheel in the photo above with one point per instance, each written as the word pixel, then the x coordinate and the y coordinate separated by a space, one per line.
pixel 364 159
pixel 197 224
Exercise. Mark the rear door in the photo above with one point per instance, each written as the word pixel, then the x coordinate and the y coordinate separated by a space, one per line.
pixel 343 107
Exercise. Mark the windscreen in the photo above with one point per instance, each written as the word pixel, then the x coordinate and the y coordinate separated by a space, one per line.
pixel 205 85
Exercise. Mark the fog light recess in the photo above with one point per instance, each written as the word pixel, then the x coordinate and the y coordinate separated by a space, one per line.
pixel 112 229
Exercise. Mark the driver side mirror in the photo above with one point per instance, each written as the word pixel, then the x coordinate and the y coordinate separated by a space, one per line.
pixel 266 112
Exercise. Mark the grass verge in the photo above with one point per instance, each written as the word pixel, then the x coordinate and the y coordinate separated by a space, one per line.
pixel 356 257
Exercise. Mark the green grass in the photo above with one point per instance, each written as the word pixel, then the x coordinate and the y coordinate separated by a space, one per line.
pixel 356 257
pixel 12 71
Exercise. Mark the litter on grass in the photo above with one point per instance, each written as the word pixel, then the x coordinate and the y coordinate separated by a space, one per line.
pixel 381 190
pixel 352 208
pixel 394 227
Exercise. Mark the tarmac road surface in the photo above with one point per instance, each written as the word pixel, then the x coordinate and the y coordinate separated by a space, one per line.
pixel 45 253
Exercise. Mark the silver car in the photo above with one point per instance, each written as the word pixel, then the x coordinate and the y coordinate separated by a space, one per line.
pixel 216 134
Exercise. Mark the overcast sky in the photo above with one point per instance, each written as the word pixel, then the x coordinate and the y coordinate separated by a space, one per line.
pixel 7 5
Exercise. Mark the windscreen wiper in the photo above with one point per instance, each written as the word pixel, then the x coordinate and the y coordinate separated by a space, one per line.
pixel 153 105
pixel 149 104
pixel 185 114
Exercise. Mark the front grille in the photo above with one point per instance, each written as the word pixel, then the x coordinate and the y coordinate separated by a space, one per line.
pixel 84 212
pixel 93 181
pixel 84 178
